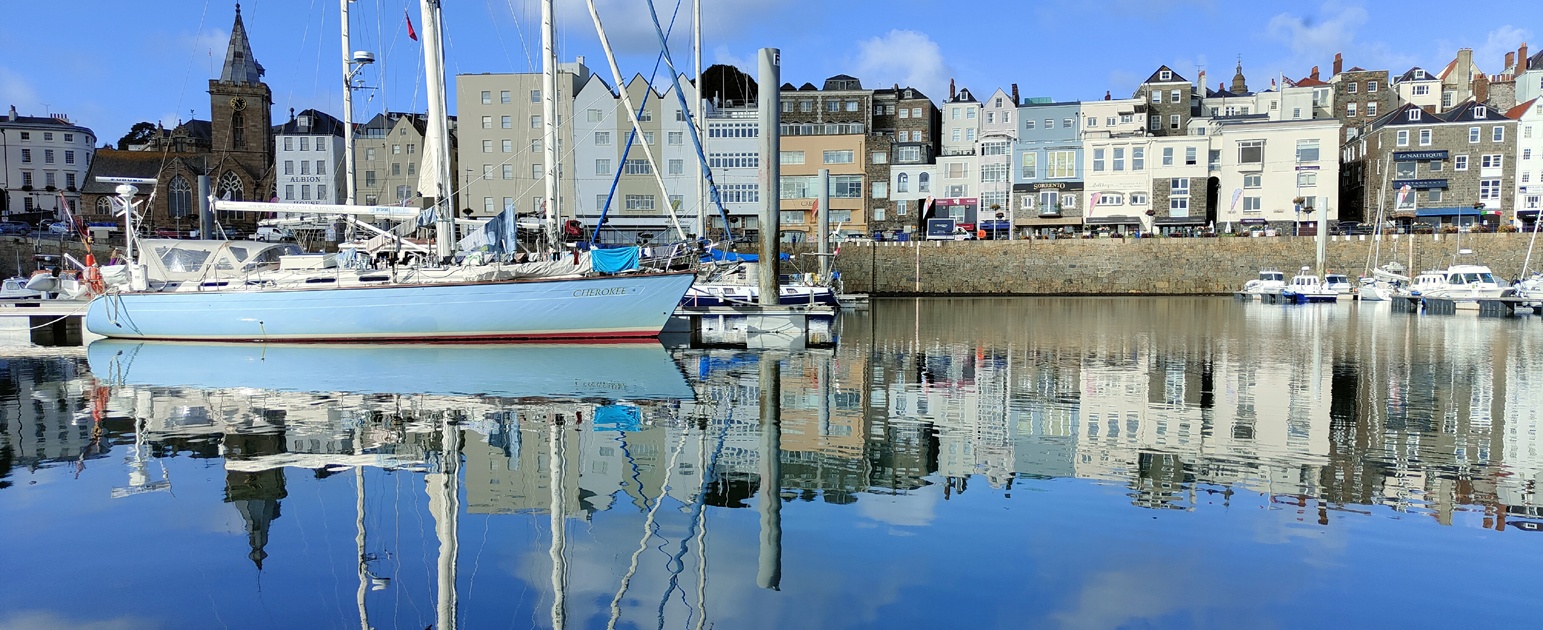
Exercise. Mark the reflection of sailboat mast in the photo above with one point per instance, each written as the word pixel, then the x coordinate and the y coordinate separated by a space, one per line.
pixel 556 470
pixel 701 536
pixel 769 573
pixel 445 504
pixel 364 614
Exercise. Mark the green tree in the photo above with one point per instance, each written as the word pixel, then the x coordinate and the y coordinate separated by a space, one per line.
pixel 140 133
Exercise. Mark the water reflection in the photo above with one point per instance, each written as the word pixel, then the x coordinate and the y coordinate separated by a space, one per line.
pixel 584 486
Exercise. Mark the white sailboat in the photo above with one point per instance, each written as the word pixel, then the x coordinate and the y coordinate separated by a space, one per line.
pixel 251 291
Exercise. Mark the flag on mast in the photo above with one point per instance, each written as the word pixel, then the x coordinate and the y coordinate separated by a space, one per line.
pixel 411 34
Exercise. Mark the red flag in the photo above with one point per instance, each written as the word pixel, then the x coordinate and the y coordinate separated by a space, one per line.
pixel 410 32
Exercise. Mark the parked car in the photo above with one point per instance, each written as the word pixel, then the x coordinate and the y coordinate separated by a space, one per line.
pixel 14 227
pixel 58 227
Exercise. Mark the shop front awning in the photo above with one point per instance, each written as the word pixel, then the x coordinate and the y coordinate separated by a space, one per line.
pixel 1114 220
pixel 993 225
pixel 1448 212
pixel 1047 221
pixel 1171 221
pixel 1254 221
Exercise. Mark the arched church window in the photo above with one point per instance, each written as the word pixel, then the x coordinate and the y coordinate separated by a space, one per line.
pixel 181 200
pixel 230 186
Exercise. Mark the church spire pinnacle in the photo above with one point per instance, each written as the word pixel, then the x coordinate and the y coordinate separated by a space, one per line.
pixel 240 65
pixel 1239 85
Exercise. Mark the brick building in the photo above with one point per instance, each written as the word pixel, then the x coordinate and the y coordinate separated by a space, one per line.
pixel 1452 168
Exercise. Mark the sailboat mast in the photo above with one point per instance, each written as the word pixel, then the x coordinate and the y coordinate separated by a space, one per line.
pixel 348 111
pixel 701 187
pixel 437 141
pixel 549 117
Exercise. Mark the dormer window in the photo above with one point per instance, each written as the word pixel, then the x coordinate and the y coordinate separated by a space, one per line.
pixel 1478 112
pixel 1165 75
pixel 1419 74
pixel 1414 114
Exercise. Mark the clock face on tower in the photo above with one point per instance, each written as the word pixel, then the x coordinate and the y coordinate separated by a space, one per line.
pixel 237 103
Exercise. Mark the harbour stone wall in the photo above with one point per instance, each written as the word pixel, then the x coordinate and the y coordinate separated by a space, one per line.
pixel 1147 266
pixel 18 250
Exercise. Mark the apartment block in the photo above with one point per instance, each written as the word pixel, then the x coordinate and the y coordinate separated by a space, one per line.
pixel 501 130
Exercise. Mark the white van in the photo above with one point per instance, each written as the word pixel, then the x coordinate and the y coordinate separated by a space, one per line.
pixel 272 234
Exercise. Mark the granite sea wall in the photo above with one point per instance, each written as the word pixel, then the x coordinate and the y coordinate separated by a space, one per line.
pixel 1148 266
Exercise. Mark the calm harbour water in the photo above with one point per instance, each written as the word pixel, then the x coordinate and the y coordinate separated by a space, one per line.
pixel 1080 463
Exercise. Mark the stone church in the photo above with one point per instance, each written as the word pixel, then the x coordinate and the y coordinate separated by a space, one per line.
pixel 234 148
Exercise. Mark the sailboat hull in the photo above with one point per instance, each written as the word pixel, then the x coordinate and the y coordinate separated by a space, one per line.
pixel 613 308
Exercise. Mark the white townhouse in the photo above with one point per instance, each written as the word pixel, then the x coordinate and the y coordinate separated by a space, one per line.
pixel 956 191
pixel 601 131
pixel 43 157
pixel 998 139
pixel 1274 171
pixel 308 159
pixel 1529 161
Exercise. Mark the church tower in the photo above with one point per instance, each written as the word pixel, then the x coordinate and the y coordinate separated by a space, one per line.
pixel 240 112
pixel 1239 85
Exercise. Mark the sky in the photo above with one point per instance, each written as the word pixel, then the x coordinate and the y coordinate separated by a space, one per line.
pixel 108 64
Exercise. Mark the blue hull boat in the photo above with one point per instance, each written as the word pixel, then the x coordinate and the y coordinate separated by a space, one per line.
pixel 609 307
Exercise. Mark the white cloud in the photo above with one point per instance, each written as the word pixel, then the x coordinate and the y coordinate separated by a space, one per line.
pixel 16 90
pixel 49 620
pixel 1317 37
pixel 1490 55
pixel 630 28
pixel 747 64
pixel 1314 39
pixel 905 57
pixel 208 42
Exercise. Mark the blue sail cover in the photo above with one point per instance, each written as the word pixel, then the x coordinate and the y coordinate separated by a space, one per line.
pixel 497 235
pixel 614 260
pixel 723 256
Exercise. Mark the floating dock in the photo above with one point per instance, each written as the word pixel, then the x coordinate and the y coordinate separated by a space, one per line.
pixel 757 327
pixel 48 322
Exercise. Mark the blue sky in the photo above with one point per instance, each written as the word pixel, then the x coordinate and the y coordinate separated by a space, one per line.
pixel 110 63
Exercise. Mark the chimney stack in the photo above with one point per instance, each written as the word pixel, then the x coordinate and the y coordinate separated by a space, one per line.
pixel 1201 81
pixel 1339 63
pixel 1521 59
pixel 952 93
pixel 12 115
pixel 1314 75
pixel 1480 88
pixel 1510 60
pixel 1108 95
pixel 1015 95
